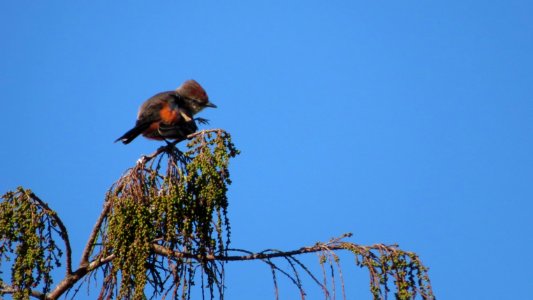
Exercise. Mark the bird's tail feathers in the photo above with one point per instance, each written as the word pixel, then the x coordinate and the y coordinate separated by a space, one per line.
pixel 133 133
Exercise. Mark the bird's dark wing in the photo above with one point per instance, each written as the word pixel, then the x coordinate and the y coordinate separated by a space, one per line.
pixel 150 110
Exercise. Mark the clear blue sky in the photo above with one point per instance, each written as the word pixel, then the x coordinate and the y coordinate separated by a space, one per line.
pixel 403 122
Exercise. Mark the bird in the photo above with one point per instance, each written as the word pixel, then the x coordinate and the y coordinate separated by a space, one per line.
pixel 170 115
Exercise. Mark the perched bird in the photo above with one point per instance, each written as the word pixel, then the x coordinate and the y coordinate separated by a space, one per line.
pixel 170 115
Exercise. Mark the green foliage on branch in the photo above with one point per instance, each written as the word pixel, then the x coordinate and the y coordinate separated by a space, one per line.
pixel 27 232
pixel 386 263
pixel 164 228
pixel 184 209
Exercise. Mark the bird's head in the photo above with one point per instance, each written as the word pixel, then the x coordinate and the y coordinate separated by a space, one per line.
pixel 194 95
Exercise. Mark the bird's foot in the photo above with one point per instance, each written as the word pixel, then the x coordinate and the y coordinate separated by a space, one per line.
pixel 202 121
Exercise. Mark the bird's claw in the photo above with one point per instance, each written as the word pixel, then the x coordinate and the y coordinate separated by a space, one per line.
pixel 202 121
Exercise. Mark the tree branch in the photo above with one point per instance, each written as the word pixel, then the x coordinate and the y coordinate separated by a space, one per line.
pixel 7 289
pixel 334 244
pixel 71 279
pixel 90 243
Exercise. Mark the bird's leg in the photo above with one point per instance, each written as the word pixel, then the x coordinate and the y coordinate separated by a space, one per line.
pixel 170 145
pixel 175 152
pixel 172 150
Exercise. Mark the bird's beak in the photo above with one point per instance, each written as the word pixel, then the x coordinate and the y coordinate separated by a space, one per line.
pixel 209 104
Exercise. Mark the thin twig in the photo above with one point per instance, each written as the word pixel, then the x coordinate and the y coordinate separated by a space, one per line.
pixel 259 256
pixel 90 242
pixel 7 289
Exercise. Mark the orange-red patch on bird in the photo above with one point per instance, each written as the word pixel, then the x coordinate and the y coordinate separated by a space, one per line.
pixel 168 115
pixel 152 132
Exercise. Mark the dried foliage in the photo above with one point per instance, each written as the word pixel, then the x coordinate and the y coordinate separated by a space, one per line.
pixel 164 229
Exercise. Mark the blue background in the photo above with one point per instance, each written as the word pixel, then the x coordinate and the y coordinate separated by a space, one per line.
pixel 403 122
